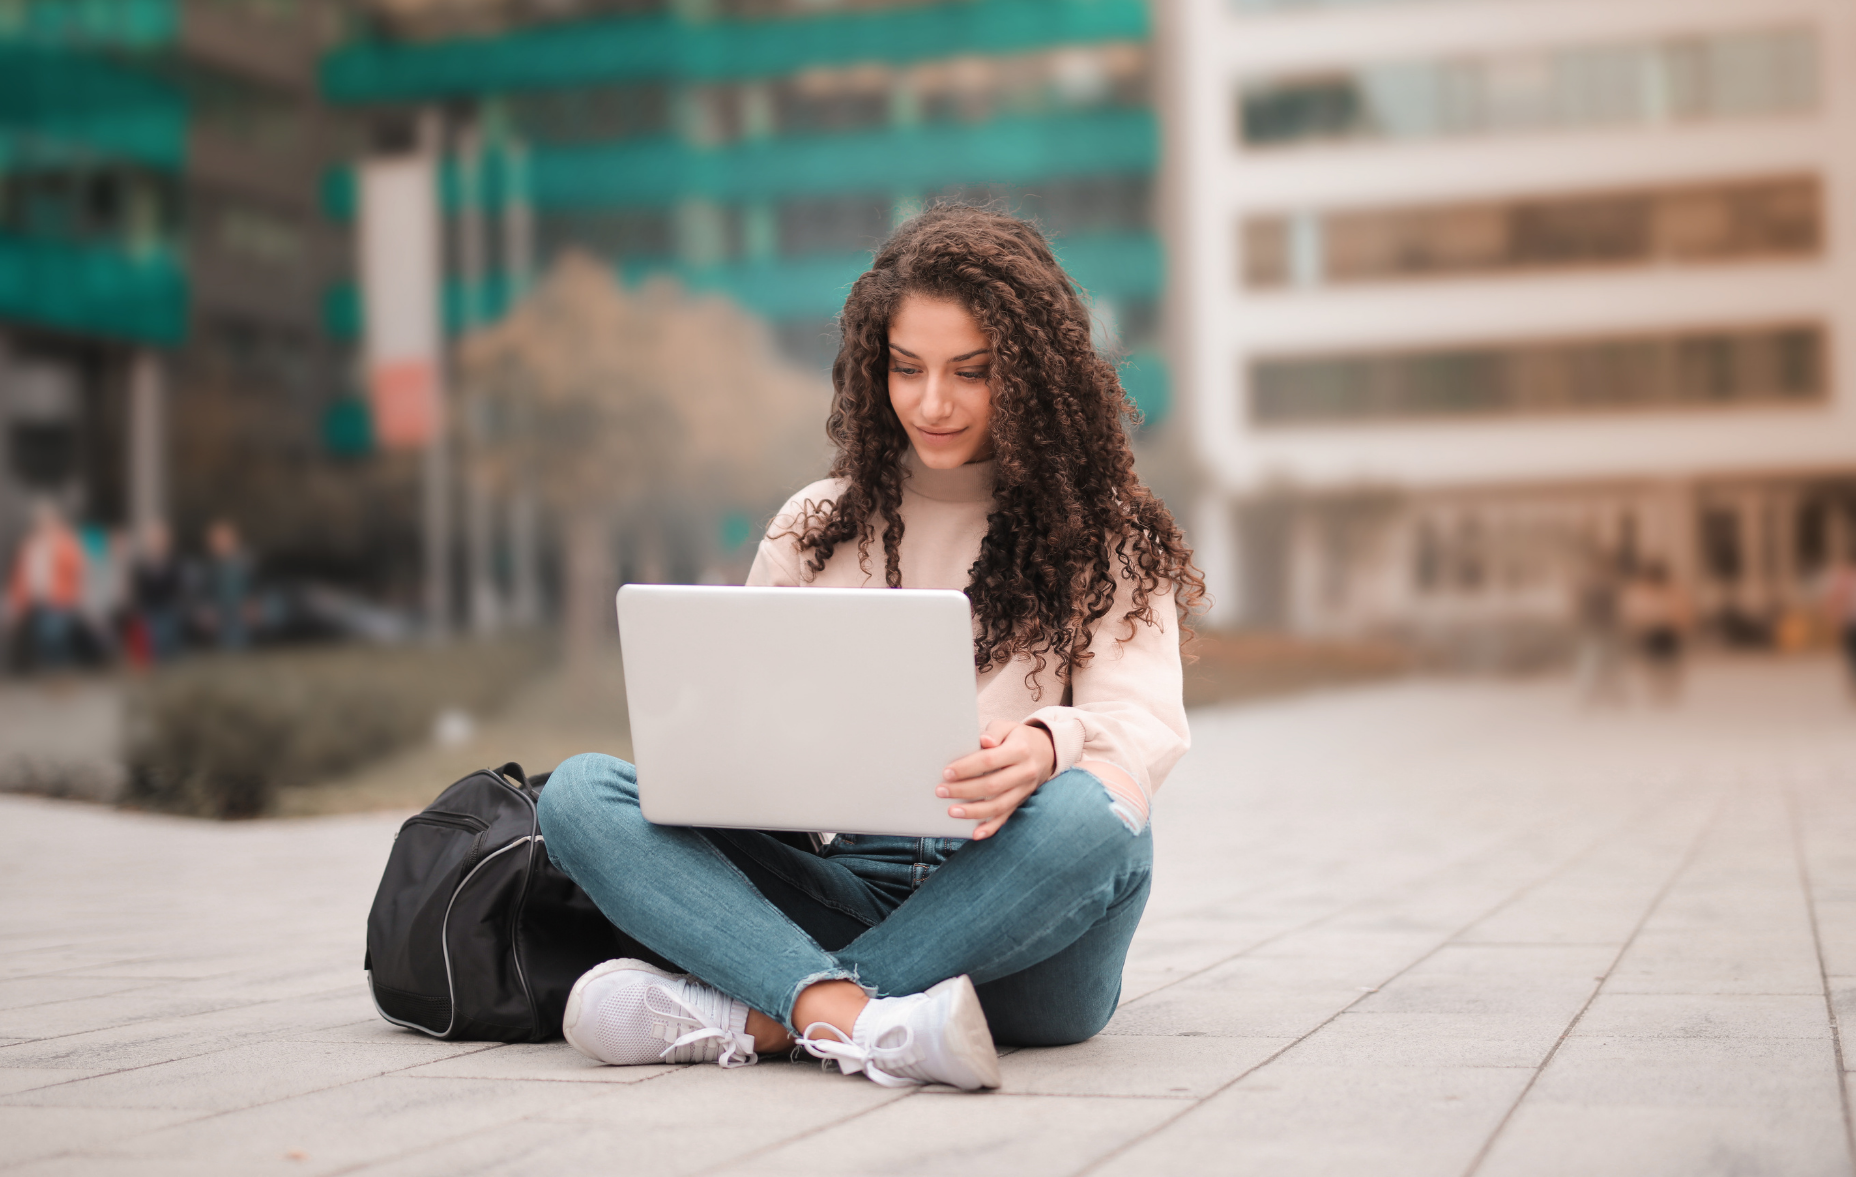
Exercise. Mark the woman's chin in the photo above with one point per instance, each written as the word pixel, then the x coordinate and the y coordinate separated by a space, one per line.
pixel 944 456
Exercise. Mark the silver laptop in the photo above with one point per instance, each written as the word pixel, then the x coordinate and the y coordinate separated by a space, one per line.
pixel 799 709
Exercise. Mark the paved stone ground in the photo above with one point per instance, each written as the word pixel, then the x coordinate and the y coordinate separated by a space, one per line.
pixel 1425 927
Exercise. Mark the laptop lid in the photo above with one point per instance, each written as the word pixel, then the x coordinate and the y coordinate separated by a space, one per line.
pixel 799 708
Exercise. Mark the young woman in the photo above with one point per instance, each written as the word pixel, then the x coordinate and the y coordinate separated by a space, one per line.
pixel 981 446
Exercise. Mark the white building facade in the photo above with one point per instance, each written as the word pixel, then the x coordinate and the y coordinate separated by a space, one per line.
pixel 1473 292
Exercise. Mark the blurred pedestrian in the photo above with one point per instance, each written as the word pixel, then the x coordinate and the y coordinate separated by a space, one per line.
pixel 157 592
pixel 1840 602
pixel 1657 612
pixel 1598 613
pixel 227 605
pixel 103 591
pixel 45 590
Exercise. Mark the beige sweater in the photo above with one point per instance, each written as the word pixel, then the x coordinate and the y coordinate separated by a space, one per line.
pixel 1124 708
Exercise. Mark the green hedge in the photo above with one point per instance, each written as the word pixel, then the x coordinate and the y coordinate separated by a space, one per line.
pixel 216 737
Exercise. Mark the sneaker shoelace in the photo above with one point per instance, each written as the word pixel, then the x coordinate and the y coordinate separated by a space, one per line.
pixel 737 1048
pixel 853 1057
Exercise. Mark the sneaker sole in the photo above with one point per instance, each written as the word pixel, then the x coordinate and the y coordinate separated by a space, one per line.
pixel 571 1017
pixel 969 1039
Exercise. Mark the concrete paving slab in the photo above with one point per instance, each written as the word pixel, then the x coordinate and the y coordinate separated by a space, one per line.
pixel 1717 1015
pixel 541 1062
pixel 14 1080
pixel 1292 1120
pixel 986 1136
pixel 340 1128
pixel 226 1080
pixel 25 992
pixel 1552 1140
pixel 1201 1008
pixel 1114 1065
pixel 1429 1040
pixel 1789 1074
pixel 666 1125
pixel 29 1133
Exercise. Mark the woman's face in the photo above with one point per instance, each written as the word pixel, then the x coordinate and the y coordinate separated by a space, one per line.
pixel 940 381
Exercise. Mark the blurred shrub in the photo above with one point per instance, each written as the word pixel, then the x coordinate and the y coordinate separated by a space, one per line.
pixel 1226 667
pixel 216 737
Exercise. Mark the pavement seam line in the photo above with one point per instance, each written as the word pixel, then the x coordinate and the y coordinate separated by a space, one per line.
pixel 1656 901
pixel 1512 898
pixel 199 1013
pixel 525 1118
pixel 1823 969
pixel 810 1132
pixel 214 1115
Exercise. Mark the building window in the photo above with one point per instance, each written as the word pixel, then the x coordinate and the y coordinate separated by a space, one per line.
pixel 1070 206
pixel 644 233
pixel 1777 217
pixel 1254 6
pixel 258 236
pixel 1721 550
pixel 43 453
pixel 765 9
pixel 106 204
pixel 962 89
pixel 591 114
pixel 1781 365
pixel 421 20
pixel 833 100
pixel 840 224
pixel 1731 75
pixel 810 343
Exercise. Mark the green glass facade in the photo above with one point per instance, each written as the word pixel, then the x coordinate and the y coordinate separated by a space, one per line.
pixel 92 146
pixel 763 158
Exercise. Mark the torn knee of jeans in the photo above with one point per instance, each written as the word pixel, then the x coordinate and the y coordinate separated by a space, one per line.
pixel 1128 806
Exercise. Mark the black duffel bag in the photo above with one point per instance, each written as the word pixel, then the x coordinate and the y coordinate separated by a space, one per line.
pixel 474 934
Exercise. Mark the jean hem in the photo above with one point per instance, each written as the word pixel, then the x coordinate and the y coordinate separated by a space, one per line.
pixel 804 983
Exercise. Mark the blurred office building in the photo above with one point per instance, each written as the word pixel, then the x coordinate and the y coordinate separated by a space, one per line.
pixel 1479 295
pixel 761 148
pixel 162 259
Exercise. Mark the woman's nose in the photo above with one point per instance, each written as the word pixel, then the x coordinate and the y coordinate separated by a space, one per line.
pixel 935 401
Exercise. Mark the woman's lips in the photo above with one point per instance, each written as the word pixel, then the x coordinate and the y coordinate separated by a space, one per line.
pixel 942 434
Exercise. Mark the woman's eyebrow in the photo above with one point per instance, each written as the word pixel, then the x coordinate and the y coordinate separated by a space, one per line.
pixel 963 356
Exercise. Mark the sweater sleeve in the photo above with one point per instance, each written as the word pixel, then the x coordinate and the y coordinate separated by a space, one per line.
pixel 1127 703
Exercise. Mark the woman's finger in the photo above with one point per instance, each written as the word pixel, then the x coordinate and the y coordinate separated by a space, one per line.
pixel 987 829
pixel 996 806
pixel 979 788
pixel 978 763
pixel 991 784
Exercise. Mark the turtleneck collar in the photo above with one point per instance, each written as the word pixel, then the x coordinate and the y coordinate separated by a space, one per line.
pixel 971 483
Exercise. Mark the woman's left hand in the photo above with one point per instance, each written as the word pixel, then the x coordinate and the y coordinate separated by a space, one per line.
pixel 1013 760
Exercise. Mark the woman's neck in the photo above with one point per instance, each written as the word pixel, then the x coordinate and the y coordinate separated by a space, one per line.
pixel 971 483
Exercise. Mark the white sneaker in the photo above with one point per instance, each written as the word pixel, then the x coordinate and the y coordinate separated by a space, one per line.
pixel 624 1011
pixel 935 1037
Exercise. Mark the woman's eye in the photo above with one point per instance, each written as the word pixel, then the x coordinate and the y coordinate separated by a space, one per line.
pixel 904 371
pixel 975 374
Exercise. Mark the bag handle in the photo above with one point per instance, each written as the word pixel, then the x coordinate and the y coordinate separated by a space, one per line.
pixel 533 784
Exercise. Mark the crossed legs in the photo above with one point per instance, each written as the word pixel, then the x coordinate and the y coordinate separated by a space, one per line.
pixel 1040 915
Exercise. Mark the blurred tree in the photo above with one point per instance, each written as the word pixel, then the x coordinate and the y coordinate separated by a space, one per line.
pixel 648 412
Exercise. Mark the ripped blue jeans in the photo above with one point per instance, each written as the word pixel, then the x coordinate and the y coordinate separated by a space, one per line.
pixel 1039 915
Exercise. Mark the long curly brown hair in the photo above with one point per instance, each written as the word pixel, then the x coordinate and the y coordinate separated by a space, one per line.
pixel 1072 516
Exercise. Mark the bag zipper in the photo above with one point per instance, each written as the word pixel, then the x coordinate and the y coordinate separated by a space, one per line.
pixel 441 817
